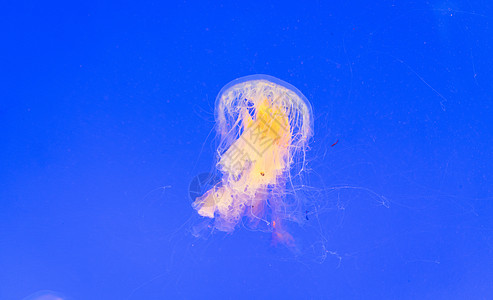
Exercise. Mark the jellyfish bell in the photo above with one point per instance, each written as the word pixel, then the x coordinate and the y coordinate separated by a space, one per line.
pixel 263 125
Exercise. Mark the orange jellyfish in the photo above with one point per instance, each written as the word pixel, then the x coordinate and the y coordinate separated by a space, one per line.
pixel 263 126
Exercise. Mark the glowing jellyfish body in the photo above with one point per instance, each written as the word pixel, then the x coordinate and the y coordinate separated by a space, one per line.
pixel 263 126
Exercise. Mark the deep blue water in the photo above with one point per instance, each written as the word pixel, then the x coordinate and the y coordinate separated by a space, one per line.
pixel 107 114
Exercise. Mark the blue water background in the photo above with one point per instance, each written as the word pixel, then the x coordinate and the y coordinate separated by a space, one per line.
pixel 106 115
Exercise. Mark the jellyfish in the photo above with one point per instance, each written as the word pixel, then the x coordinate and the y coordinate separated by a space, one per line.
pixel 264 126
pixel 46 295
